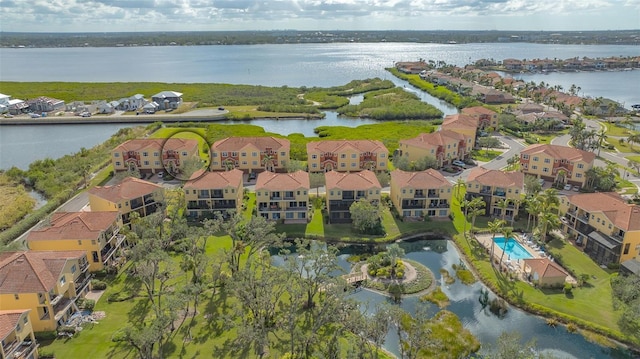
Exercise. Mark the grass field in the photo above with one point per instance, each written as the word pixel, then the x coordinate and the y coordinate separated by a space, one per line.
pixel 616 130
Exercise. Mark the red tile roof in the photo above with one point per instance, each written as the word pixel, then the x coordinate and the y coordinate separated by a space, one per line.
pixel 622 214
pixel 477 110
pixel 545 268
pixel 423 179
pixel 261 143
pixel 459 121
pixel 9 319
pixel 174 144
pixel 560 152
pixel 33 271
pixel 202 179
pixel 129 188
pixel 496 177
pixel 429 140
pixel 75 225
pixel 351 181
pixel 282 181
pixel 331 146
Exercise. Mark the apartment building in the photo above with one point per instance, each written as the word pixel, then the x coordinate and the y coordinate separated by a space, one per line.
pixel 130 195
pixel 283 196
pixel 604 223
pixel 96 233
pixel 486 118
pixel 557 163
pixel 501 191
pixel 16 335
pixel 48 283
pixel 445 146
pixel 344 188
pixel 154 155
pixel 347 155
pixel 251 154
pixel 209 193
pixel 421 194
pixel 463 124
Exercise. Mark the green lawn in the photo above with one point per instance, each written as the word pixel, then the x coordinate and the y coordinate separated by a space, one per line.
pixel 633 158
pixel 623 147
pixel 616 130
pixel 485 155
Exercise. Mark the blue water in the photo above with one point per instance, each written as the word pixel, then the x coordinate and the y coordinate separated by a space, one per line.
pixel 512 249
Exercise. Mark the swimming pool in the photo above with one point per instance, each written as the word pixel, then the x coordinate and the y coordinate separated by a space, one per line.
pixel 512 249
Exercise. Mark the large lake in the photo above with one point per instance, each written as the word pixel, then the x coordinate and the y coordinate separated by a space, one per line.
pixel 269 65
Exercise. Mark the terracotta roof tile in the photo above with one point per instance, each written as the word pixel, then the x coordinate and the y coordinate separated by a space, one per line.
pixel 9 320
pixel 496 177
pixel 545 268
pixel 129 188
pixel 459 121
pixel 75 225
pixel 477 110
pixel 331 146
pixel 622 214
pixel 282 181
pixel 33 271
pixel 238 143
pixel 423 179
pixel 351 181
pixel 215 179
pixel 560 152
pixel 174 144
pixel 434 139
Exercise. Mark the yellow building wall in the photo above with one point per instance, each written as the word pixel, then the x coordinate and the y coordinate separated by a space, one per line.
pixel 415 153
pixel 30 301
pixel 71 245
pixel 633 239
pixel 299 195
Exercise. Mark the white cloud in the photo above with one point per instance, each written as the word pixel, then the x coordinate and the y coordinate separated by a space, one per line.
pixel 150 15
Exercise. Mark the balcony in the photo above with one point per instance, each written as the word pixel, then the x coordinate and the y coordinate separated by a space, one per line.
pixel 439 205
pixel 81 282
pixel 223 205
pixel 433 194
pixel 108 251
pixel 136 204
pixel 62 307
pixel 19 350
pixel 340 206
pixel 296 209
pixel 84 265
pixel 485 190
pixel 192 205
pixel 419 194
pixel 269 208
pixel 500 193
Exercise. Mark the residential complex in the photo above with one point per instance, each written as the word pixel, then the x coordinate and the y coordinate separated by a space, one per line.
pixel 209 193
pixel 604 223
pixel 16 335
pixel 250 154
pixel 486 118
pixel 445 146
pixel 347 155
pixel 557 163
pixel 501 191
pixel 463 124
pixel 96 233
pixel 344 188
pixel 421 194
pixel 130 195
pixel 48 283
pixel 153 155
pixel 283 196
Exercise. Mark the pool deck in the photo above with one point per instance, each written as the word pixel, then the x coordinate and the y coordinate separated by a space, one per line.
pixel 513 265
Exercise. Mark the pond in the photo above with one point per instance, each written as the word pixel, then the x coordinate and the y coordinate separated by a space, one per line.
pixel 487 327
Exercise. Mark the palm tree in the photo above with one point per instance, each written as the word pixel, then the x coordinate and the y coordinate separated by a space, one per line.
pixel 464 205
pixel 507 232
pixel 460 184
pixel 503 205
pixel 547 222
pixel 601 136
pixel 633 139
pixel 495 227
pixel 561 177
pixel 533 209
pixel 267 161
pixel 476 206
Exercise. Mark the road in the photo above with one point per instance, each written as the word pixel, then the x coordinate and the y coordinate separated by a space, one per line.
pixel 497 163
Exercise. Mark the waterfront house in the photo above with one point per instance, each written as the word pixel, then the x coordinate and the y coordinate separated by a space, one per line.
pixel 486 118
pixel 130 195
pixel 96 233
pixel 557 163
pixel 251 154
pixel 151 107
pixel 283 196
pixel 463 124
pixel 17 107
pixel 347 155
pixel 167 100
pixel 416 195
pixel 4 103
pixel 604 223
pixel 210 193
pixel 153 155
pixel 48 283
pixel 17 340
pixel 45 104
pixel 501 191
pixel 131 103
pixel 445 146
pixel 108 107
pixel 545 273
pixel 344 188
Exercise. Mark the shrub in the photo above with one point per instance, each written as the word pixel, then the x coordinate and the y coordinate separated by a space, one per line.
pixel 45 353
pixel 119 297
pixel 97 284
pixel 67 329
pixel 87 304
pixel 44 336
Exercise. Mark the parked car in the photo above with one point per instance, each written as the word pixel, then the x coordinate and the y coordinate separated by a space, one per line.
pixel 576 188
pixel 85 114
pixel 160 174
pixel 459 163
pixel 252 176
pixel 221 108
pixel 34 115
pixel 541 181
pixel 567 187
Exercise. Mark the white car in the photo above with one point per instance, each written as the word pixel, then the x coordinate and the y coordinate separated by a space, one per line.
pixel 567 187
pixel 459 163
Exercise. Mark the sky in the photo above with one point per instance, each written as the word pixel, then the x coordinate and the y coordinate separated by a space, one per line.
pixel 218 15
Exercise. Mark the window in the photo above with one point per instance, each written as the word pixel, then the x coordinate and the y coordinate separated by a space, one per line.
pixel 214 154
pixel 626 248
pixel 224 154
pixel 146 163
pixel 116 154
pixel 145 154
pixel 25 319
pixel 546 160
pixel 404 191
pixel 184 153
pixel 157 163
pixel 63 280
pixel 244 163
pixel 17 296
pixel 156 154
pixel 117 163
pixel 578 175
pixel 353 155
pixel 344 155
pixel 517 191
pixel 79 242
pixel 332 193
pixel 343 164
pixel 73 268
pixel 353 164
pixel 545 170
pixel 535 159
pixel 215 163
pixel 254 154
pixel 283 154
pixel 243 154
pixel 580 165
pixel 314 165
pixel 534 167
pixel 314 156
pixel 382 155
pixel 94 256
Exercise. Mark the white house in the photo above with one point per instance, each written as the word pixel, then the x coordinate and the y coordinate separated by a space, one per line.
pixel 151 107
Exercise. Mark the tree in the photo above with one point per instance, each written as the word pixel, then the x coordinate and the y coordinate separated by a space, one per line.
pixel 503 205
pixel 394 253
pixel 366 217
pixel 476 208
pixel 513 162
pixel 509 346
pixel 634 138
pixel 507 232
pixel 533 210
pixel 268 161
pixel 460 186
pixel 316 180
pixel 495 227
pixel 601 136
pixel 531 185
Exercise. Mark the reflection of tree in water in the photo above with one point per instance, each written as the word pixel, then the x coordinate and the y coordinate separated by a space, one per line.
pixel 436 245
